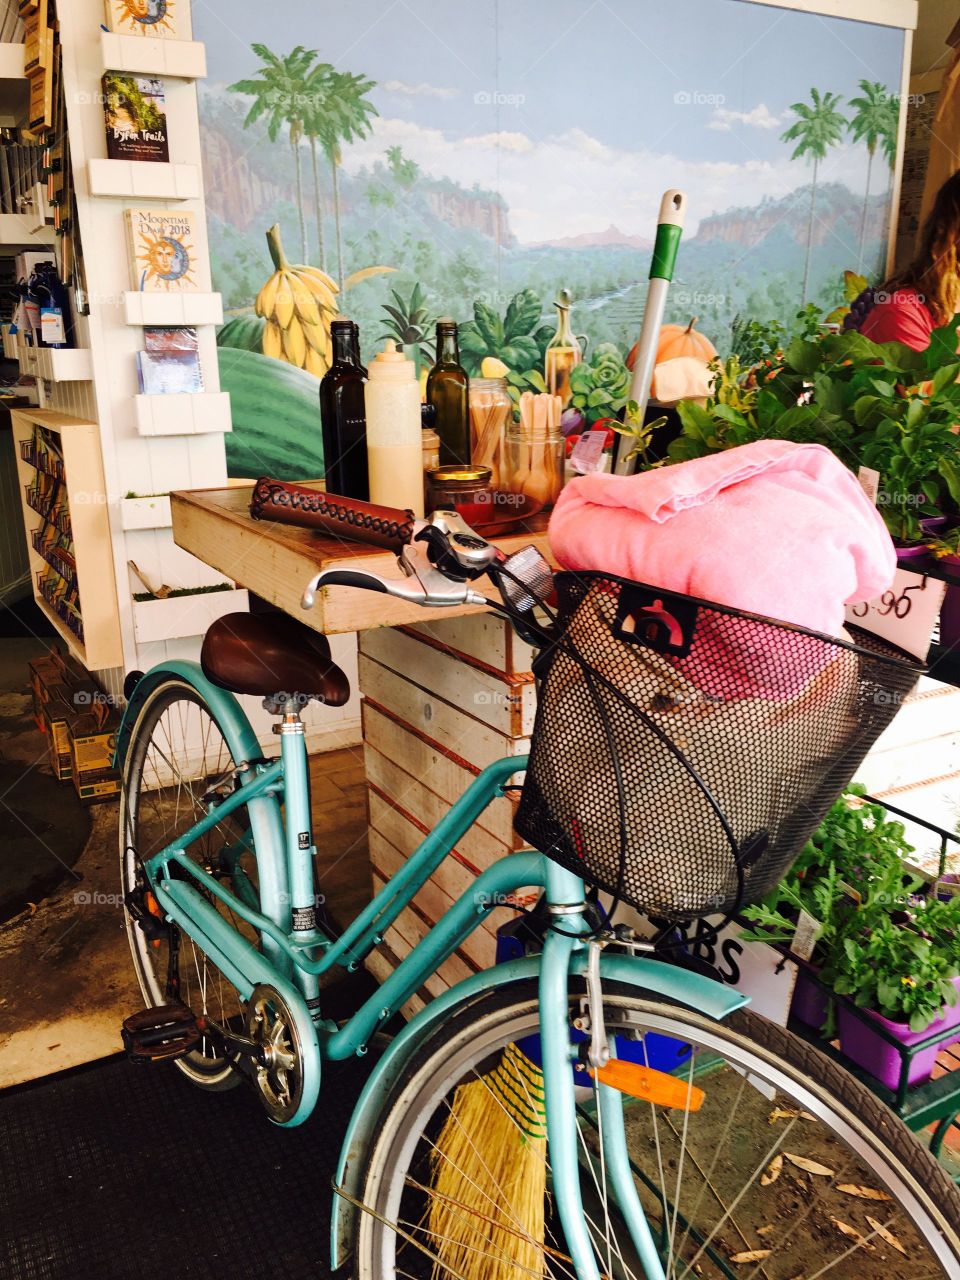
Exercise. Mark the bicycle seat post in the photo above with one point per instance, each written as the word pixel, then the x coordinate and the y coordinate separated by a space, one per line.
pixel 298 825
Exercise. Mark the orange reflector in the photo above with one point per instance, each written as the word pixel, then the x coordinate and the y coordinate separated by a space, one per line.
pixel 658 1087
pixel 152 905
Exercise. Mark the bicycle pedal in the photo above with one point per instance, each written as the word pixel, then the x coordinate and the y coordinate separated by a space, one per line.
pixel 160 1033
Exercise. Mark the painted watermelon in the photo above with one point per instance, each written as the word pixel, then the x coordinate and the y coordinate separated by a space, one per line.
pixel 245 332
pixel 276 417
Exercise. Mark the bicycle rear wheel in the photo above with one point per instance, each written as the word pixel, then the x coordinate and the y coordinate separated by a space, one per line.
pixel 177 765
pixel 791 1168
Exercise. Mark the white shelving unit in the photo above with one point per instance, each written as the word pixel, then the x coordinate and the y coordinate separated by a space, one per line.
pixel 173 308
pixel 144 180
pixel 171 619
pixel 183 415
pixel 179 59
pixel 151 512
pixel 56 364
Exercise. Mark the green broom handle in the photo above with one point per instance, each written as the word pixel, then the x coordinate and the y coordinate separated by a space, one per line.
pixel 673 206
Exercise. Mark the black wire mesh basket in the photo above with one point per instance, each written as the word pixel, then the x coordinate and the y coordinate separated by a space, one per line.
pixel 683 752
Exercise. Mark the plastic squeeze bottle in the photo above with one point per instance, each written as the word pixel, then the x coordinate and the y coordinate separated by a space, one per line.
pixel 394 440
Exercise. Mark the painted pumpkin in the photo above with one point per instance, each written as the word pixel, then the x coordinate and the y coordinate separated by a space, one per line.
pixel 678 340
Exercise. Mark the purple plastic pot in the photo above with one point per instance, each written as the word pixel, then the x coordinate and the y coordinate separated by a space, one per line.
pixel 863 1046
pixel 935 524
pixel 950 609
pixel 810 1002
pixel 911 550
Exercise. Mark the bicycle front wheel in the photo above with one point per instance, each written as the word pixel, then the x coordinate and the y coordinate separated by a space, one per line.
pixel 790 1169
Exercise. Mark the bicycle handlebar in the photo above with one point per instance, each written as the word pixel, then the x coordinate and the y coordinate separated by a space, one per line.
pixel 386 527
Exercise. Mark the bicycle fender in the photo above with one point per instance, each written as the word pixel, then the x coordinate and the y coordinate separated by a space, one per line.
pixel 236 728
pixel 652 976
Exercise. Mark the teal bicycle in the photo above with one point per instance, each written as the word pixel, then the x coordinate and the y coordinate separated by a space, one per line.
pixel 666 1130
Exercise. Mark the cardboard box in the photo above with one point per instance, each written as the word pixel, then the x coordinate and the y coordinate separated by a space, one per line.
pixel 67 704
pixel 56 726
pixel 91 760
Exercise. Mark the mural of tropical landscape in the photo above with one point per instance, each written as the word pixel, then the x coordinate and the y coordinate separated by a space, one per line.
pixel 406 171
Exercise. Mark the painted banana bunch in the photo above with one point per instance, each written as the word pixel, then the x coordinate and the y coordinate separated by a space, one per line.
pixel 298 304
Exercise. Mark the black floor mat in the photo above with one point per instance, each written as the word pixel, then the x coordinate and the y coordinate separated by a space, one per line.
pixel 124 1172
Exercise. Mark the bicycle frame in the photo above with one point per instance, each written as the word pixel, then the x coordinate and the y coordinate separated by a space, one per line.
pixel 296 953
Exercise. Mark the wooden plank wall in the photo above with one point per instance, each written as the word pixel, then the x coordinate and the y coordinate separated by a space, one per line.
pixel 441 701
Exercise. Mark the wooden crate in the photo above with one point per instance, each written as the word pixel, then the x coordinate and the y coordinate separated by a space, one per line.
pixel 92 548
pixel 442 700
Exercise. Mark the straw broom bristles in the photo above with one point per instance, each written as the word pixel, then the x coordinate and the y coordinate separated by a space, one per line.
pixel 489 1164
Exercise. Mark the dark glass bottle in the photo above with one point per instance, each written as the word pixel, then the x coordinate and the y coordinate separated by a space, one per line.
pixel 342 415
pixel 448 390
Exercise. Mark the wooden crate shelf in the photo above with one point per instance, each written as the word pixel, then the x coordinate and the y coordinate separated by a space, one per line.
pixel 173 308
pixel 14 94
pixel 181 616
pixel 145 513
pixel 20 230
pixel 144 180
pixel 153 56
pixel 57 364
pixel 183 415
pixel 88 524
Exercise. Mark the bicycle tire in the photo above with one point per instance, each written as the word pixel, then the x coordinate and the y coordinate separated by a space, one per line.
pixel 203 1068
pixel 889 1153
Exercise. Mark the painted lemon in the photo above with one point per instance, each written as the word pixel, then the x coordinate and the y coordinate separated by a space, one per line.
pixel 491 367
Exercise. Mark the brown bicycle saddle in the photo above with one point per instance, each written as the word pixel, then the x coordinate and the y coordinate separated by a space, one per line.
pixel 266 654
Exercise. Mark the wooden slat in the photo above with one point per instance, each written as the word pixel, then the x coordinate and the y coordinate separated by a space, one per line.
pixel 479 950
pixel 391 785
pixel 444 774
pixel 487 637
pixel 505 703
pixel 475 742
pixel 276 561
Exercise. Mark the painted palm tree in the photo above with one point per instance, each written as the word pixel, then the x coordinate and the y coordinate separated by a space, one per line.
pixel 403 169
pixel 818 127
pixel 317 95
pixel 875 124
pixel 347 120
pixel 278 95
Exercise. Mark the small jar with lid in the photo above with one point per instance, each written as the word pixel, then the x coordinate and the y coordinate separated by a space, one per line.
pixel 491 410
pixel 457 486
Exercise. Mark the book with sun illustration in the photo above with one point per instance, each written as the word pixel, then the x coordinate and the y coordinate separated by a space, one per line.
pixel 162 250
pixel 144 18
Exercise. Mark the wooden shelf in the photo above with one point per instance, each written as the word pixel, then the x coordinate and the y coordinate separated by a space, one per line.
pixel 153 56
pixel 144 180
pixel 173 308
pixel 205 413
pixel 182 616
pixel 57 364
pixel 19 231
pixel 14 91
pixel 83 475
pixel 145 513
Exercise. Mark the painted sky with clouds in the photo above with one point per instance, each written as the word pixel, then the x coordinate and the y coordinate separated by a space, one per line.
pixel 579 113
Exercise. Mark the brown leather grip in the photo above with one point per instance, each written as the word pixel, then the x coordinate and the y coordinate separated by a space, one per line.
pixel 329 513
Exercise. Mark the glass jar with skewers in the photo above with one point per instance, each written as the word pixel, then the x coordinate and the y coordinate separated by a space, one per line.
pixel 533 451
pixel 491 411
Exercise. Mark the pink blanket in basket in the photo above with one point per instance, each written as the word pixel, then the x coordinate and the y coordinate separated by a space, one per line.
pixel 775 528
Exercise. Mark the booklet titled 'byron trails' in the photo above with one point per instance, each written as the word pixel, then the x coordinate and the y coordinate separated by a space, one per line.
pixel 135 117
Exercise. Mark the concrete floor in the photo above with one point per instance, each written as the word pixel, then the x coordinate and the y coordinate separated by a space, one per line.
pixel 66 979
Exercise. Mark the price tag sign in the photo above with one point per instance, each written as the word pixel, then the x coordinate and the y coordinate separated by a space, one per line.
pixel 587 455
pixel 51 326
pixel 869 483
pixel 904 614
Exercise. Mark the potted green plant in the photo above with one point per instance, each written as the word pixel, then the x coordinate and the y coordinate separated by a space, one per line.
pixel 856 841
pixel 945 549
pixel 900 967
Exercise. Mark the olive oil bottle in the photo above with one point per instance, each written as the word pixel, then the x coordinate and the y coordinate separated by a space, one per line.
pixel 447 390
